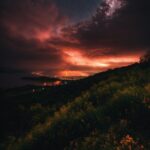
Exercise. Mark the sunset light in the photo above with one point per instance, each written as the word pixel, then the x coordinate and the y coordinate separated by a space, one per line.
pixel 75 74
pixel 77 58
pixel 69 73
pixel 42 36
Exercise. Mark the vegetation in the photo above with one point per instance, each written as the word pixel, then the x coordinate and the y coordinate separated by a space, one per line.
pixel 108 111
pixel 145 59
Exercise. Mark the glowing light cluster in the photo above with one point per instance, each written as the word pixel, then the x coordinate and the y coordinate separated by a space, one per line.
pixel 38 73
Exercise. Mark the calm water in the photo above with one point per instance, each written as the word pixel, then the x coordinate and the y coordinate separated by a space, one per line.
pixel 13 80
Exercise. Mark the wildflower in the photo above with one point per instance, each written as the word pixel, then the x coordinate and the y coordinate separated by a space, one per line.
pixel 127 140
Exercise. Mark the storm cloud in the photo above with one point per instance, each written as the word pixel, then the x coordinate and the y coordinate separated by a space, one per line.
pixel 58 37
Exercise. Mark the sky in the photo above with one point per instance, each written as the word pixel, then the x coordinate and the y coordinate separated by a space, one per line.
pixel 72 37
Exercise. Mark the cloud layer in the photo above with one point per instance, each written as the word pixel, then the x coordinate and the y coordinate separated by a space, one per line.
pixel 39 36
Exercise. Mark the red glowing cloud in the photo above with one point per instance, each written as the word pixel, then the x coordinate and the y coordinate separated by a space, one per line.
pixel 39 22
pixel 41 39
pixel 77 58
pixel 85 64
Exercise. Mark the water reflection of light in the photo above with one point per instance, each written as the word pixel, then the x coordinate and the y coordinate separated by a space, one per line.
pixel 55 83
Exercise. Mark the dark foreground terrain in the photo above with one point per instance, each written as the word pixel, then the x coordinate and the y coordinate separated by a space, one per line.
pixel 107 111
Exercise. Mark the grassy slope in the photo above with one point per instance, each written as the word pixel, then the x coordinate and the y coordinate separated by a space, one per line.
pixel 107 111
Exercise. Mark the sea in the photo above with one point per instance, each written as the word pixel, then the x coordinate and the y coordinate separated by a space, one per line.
pixel 11 80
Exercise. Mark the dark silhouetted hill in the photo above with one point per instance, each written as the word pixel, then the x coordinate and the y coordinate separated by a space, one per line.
pixel 106 111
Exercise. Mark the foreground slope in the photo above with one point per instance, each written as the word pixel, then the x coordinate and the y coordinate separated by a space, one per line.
pixel 112 112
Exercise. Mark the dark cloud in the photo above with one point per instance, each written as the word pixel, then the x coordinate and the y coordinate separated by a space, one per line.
pixel 25 27
pixel 128 29
pixel 30 55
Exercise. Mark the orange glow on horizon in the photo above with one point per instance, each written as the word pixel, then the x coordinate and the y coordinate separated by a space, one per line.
pixel 77 58
pixel 77 63
pixel 123 59
pixel 69 73
pixel 91 65
pixel 57 83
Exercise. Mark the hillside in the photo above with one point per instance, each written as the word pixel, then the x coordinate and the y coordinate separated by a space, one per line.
pixel 107 111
